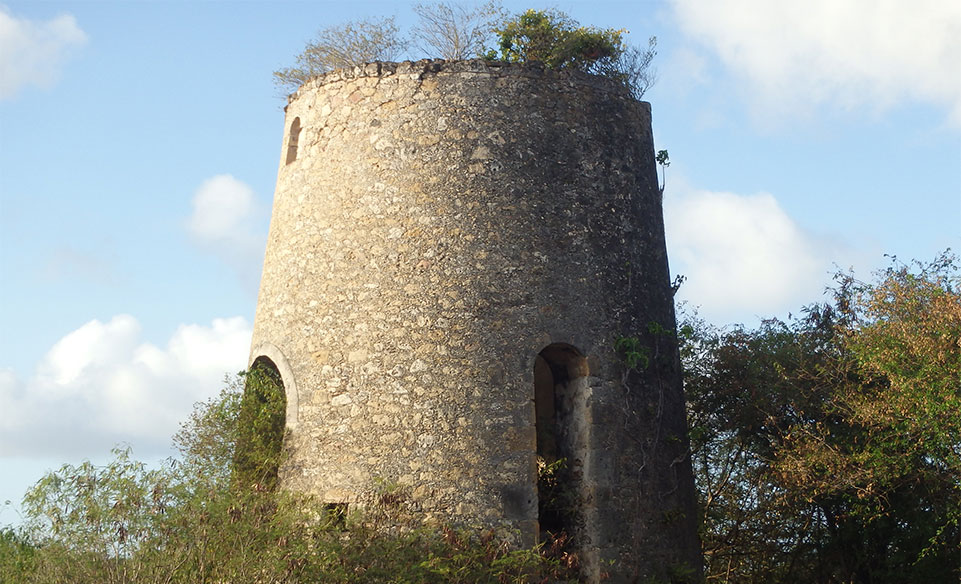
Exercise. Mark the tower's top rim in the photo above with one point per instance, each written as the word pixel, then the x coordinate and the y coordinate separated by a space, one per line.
pixel 433 67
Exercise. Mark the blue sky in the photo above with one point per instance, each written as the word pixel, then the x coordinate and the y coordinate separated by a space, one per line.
pixel 139 145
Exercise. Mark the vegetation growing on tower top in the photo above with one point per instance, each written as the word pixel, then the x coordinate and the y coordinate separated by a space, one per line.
pixel 560 42
pixel 453 32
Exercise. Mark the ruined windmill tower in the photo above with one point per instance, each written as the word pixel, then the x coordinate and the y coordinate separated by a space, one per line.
pixel 455 250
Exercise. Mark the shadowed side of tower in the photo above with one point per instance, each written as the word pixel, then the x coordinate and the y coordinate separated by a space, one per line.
pixel 455 249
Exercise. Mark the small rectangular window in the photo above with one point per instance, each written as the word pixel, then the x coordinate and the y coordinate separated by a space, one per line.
pixel 336 515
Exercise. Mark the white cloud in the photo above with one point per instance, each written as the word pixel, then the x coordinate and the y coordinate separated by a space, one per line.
pixel 102 384
pixel 851 53
pixel 32 53
pixel 228 221
pixel 742 255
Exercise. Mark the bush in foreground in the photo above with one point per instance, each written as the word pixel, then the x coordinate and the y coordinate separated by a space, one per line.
pixel 193 521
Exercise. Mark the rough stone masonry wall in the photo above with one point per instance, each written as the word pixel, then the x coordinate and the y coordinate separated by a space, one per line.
pixel 436 227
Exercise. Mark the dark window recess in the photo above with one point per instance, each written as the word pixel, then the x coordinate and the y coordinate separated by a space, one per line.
pixel 337 515
pixel 557 370
pixel 293 140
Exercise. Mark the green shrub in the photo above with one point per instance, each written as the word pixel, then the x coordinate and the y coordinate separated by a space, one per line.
pixel 559 42
pixel 260 429
pixel 194 520
pixel 18 556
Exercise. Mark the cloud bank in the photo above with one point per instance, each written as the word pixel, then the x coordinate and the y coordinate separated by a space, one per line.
pixel 743 256
pixel 102 384
pixel 227 221
pixel 855 53
pixel 32 53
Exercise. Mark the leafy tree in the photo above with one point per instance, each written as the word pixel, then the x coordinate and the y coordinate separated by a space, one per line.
pixel 892 468
pixel 206 441
pixel 346 45
pixel 826 447
pixel 742 393
pixel 905 336
pixel 555 39
pixel 89 521
pixel 454 31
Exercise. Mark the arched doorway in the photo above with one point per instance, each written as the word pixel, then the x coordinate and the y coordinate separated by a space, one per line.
pixel 261 424
pixel 560 393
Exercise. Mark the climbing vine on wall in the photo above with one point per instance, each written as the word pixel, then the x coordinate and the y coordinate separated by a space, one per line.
pixel 636 356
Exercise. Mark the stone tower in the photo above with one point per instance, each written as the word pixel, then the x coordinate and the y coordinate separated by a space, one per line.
pixel 455 250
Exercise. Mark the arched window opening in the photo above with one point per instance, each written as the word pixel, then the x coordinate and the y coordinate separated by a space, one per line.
pixel 260 427
pixel 293 140
pixel 559 371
